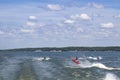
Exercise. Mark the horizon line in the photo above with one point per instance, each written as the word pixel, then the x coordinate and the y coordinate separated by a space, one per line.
pixel 55 47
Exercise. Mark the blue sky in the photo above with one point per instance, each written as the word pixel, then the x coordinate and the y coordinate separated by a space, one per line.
pixel 59 23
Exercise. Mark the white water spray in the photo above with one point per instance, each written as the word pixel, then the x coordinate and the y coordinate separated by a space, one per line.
pixel 110 76
pixel 88 64
pixel 41 58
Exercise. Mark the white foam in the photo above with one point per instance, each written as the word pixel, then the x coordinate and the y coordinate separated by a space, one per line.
pixel 85 64
pixel 88 64
pixel 102 66
pixel 38 59
pixel 99 57
pixel 47 58
pixel 91 58
pixel 41 58
pixel 110 76
pixel 94 58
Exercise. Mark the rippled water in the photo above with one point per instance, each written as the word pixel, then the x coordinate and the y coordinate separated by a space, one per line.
pixel 18 65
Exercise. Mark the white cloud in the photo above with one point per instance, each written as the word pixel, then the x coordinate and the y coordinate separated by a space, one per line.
pixel 31 24
pixel 32 17
pixel 81 16
pixel 77 16
pixel 107 25
pixel 54 7
pixel 27 30
pixel 69 21
pixel 84 16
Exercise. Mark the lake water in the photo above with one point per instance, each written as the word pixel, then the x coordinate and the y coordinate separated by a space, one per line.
pixel 26 65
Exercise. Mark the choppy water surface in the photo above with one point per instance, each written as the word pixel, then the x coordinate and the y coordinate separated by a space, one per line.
pixel 18 65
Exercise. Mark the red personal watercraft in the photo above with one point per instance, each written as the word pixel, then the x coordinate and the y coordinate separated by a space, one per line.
pixel 75 61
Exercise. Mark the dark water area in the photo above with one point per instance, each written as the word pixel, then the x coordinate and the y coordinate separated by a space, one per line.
pixel 26 65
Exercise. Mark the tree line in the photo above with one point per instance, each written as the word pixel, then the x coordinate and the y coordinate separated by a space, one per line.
pixel 68 49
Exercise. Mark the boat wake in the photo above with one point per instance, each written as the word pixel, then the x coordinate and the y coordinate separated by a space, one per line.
pixel 95 58
pixel 87 64
pixel 102 66
pixel 8 67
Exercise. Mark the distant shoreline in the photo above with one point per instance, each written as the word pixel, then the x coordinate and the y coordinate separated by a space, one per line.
pixel 60 49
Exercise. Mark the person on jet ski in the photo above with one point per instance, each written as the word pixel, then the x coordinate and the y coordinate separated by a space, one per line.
pixel 44 58
pixel 76 58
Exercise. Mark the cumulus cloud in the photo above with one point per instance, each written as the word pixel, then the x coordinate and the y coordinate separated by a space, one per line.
pixel 54 7
pixel 82 16
pixel 107 25
pixel 85 16
pixel 32 21
pixel 32 17
pixel 27 30
pixel 69 21
pixel 31 24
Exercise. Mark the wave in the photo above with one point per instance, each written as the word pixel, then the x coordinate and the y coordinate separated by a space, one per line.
pixel 87 64
pixel 95 58
pixel 102 66
pixel 91 58
pixel 42 58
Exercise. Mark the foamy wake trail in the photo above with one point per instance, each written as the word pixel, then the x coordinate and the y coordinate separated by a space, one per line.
pixel 110 76
pixel 91 58
pixel 43 69
pixel 9 69
pixel 87 64
pixel 102 66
